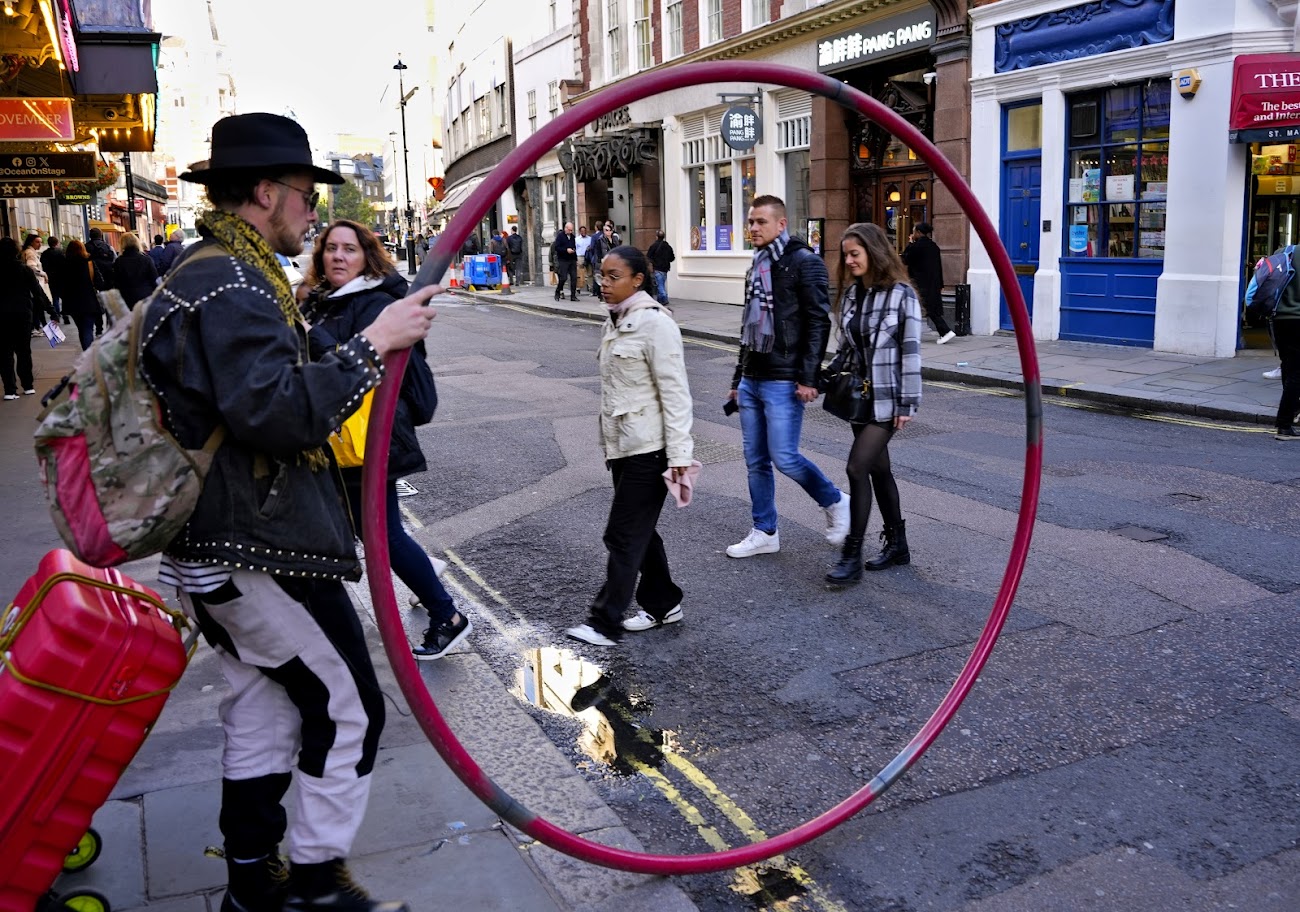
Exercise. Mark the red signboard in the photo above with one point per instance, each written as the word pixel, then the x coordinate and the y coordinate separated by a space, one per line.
pixel 36 120
pixel 1265 97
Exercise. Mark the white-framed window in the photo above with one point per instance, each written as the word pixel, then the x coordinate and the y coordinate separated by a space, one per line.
pixel 553 96
pixel 710 21
pixel 719 184
pixel 755 13
pixel 642 35
pixel 614 38
pixel 532 111
pixel 503 109
pixel 484 109
pixel 548 202
pixel 675 44
pixel 793 141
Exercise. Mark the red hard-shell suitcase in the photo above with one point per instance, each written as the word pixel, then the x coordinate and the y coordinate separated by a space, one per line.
pixel 89 657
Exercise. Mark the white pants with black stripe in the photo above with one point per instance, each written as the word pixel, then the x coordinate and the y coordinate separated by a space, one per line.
pixel 304 693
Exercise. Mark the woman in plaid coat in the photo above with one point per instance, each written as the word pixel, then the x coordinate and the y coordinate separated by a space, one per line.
pixel 880 325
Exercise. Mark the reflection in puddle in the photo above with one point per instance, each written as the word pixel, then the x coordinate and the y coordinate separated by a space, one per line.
pixel 559 681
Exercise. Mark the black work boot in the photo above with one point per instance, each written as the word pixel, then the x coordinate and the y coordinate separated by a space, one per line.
pixel 894 550
pixel 256 886
pixel 849 567
pixel 329 886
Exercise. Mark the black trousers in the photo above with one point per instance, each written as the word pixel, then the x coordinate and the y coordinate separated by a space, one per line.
pixel 934 310
pixel 566 269
pixel 16 345
pixel 1286 336
pixel 634 545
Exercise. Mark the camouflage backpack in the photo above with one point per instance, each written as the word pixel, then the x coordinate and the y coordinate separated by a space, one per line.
pixel 120 486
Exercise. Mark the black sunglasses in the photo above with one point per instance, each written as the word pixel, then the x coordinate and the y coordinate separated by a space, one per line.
pixel 310 197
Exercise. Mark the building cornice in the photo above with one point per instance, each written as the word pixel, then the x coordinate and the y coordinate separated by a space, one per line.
pixel 824 18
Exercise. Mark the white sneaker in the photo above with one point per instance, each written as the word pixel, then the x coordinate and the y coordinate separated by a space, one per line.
pixel 837 520
pixel 589 634
pixel 946 338
pixel 756 542
pixel 1274 374
pixel 11 395
pixel 643 621
pixel 33 392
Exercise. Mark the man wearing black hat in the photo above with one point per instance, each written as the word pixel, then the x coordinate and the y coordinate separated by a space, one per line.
pixel 261 563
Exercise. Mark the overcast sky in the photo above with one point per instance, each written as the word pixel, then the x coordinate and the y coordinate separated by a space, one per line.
pixel 328 63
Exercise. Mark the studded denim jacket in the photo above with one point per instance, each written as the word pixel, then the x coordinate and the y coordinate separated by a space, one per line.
pixel 217 350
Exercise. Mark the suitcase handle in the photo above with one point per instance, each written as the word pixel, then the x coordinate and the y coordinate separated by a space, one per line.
pixel 10 627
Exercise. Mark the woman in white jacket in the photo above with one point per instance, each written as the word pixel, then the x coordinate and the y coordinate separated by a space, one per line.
pixel 645 432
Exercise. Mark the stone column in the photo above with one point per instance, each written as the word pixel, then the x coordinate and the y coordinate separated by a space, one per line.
pixel 951 133
pixel 830 188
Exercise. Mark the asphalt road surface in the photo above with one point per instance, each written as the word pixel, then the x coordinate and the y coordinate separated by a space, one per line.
pixel 1134 741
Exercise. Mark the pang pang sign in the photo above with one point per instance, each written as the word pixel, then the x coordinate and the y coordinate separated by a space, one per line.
pixel 877 40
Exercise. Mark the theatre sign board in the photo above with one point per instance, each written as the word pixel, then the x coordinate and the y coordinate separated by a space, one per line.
pixel 1265 98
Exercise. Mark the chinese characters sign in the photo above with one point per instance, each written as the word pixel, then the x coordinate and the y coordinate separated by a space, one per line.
pixel 741 128
pixel 877 40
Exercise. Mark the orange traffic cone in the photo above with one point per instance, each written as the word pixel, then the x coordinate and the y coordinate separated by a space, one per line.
pixel 505 282
pixel 455 278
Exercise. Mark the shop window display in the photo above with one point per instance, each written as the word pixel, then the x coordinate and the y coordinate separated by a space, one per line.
pixel 1119 167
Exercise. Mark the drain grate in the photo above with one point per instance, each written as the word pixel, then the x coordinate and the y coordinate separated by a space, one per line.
pixel 1138 533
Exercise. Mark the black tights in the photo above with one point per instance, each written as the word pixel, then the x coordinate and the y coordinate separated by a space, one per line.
pixel 869 468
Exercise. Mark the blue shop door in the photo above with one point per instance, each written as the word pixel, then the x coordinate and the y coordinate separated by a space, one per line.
pixel 1022 192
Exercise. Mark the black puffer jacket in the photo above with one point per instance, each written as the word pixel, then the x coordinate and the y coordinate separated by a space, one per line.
pixel 339 317
pixel 136 276
pixel 802 310
pixel 20 293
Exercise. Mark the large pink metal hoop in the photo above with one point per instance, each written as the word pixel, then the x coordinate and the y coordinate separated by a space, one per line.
pixel 381 423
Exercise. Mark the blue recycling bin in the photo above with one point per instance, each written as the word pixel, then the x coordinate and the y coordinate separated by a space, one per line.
pixel 483 270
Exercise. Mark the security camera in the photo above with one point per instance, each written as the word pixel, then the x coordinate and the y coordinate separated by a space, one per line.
pixel 928 78
pixel 110 114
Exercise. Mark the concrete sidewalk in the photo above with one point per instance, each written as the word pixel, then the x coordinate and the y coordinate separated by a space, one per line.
pixel 426 839
pixel 1225 389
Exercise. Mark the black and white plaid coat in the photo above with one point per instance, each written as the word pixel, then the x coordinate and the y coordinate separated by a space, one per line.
pixel 889 319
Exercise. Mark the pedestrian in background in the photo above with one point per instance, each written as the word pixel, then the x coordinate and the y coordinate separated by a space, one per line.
pixel 175 244
pixel 584 257
pixel 645 431
pixel 564 254
pixel 158 253
pixel 353 279
pixel 31 257
pixel 104 258
pixel 137 276
pixel 1286 338
pixel 80 299
pixel 925 266
pixel 52 263
pixel 661 258
pixel 880 332
pixel 787 293
pixel 602 242
pixel 515 248
pixel 20 297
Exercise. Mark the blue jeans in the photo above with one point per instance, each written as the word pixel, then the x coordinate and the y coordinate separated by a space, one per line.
pixel 409 561
pixel 661 282
pixel 771 420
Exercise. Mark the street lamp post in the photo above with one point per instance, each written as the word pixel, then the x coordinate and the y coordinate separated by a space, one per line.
pixel 406 170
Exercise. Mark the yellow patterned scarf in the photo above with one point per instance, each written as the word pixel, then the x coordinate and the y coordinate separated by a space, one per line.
pixel 246 244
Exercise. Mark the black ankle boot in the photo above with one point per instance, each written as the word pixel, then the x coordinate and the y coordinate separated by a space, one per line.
pixel 256 886
pixel 849 567
pixel 894 550
pixel 329 887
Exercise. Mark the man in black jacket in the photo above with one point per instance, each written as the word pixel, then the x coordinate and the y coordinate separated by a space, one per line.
pixel 565 254
pixel 783 339
pixel 514 253
pixel 661 258
pixel 925 265
pixel 103 256
pixel 261 561
pixel 52 263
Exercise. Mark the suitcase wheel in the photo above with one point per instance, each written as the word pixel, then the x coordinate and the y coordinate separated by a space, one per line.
pixel 84 901
pixel 85 853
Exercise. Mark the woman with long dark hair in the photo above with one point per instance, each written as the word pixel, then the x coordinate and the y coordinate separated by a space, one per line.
pixel 645 431
pixel 352 278
pixel 880 331
pixel 77 286
pixel 20 295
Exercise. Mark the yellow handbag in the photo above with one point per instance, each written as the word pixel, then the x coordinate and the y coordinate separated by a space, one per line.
pixel 349 441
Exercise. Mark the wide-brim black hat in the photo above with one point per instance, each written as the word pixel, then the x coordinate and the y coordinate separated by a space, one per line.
pixel 250 143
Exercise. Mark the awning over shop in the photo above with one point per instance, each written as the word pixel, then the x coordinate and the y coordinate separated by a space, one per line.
pixel 148 189
pixel 457 195
pixel 105 226
pixel 1265 98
